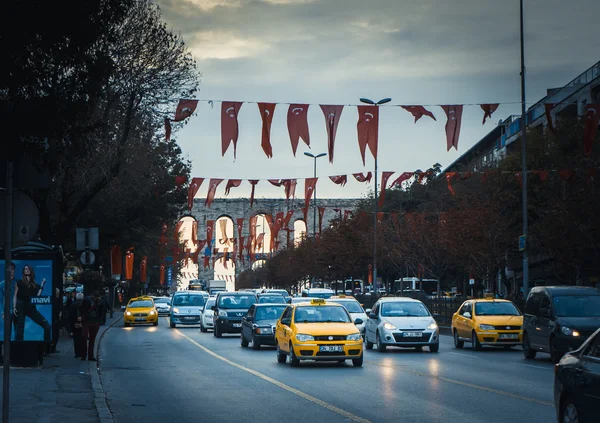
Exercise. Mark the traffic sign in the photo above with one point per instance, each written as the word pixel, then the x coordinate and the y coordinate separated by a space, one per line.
pixel 522 242
pixel 471 281
pixel 87 257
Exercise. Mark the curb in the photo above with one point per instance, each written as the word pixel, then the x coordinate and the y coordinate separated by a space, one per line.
pixel 100 397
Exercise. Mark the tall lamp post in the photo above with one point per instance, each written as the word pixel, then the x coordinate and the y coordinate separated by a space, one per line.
pixel 523 241
pixel 382 101
pixel 312 156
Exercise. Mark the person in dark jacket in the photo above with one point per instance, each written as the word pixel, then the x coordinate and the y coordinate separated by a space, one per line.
pixel 76 327
pixel 90 314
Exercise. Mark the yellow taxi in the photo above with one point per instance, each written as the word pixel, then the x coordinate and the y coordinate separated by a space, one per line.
pixel 140 310
pixel 487 321
pixel 318 330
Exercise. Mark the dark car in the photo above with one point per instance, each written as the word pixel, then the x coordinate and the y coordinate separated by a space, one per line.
pixel 558 319
pixel 283 292
pixel 577 383
pixel 229 309
pixel 258 326
pixel 271 298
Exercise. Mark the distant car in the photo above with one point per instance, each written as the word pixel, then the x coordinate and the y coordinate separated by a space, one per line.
pixel 354 308
pixel 271 298
pixel 258 325
pixel 206 315
pixel 185 308
pixel 283 292
pixel 140 310
pixel 577 383
pixel 296 300
pixel 163 305
pixel 229 309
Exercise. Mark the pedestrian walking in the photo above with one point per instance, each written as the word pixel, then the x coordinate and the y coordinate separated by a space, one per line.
pixel 75 327
pixel 90 315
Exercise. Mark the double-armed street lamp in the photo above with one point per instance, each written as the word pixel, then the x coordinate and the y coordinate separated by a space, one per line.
pixel 312 156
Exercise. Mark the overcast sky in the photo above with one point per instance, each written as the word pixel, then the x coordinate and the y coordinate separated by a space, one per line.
pixel 425 52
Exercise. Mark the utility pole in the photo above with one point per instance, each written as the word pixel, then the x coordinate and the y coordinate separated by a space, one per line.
pixel 7 289
pixel 524 159
pixel 312 156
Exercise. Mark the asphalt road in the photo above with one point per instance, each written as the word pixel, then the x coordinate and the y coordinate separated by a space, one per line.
pixel 158 374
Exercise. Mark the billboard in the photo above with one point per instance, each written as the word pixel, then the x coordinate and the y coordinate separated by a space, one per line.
pixel 32 311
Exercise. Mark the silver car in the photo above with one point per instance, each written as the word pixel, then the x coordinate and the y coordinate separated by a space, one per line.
pixel 163 305
pixel 401 322
pixel 185 308
pixel 206 315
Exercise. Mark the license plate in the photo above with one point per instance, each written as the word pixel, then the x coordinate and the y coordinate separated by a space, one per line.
pixel 331 348
pixel 190 318
pixel 509 336
pixel 412 334
pixel 237 325
pixel 140 319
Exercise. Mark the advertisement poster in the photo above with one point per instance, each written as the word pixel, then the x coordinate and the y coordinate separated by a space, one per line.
pixel 34 287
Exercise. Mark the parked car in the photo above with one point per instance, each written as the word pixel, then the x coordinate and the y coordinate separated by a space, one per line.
pixel 258 325
pixel 401 322
pixel 229 309
pixel 577 383
pixel 185 308
pixel 559 319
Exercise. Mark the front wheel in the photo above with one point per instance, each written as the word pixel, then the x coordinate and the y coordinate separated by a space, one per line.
pixel 527 351
pixel 217 332
pixel 203 329
pixel 357 362
pixel 475 344
pixel 243 341
pixel 569 412
pixel 155 323
pixel 368 345
pixel 172 325
pixel 434 348
pixel 555 355
pixel 255 343
pixel 126 325
pixel 380 346
pixel 293 359
pixel 457 342
pixel 281 357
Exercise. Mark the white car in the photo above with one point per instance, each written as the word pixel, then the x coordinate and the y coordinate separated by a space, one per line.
pixel 354 308
pixel 401 322
pixel 206 315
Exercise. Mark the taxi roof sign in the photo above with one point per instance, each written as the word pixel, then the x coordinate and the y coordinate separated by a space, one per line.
pixel 317 301
pixel 488 296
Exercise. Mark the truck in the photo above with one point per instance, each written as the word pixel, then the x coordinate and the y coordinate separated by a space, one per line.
pixel 216 286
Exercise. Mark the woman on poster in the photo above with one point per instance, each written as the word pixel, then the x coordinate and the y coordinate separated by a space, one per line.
pixel 22 307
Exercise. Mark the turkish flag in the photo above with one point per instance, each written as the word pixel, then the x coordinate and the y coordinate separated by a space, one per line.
pixel 179 181
pixel 309 188
pixel 488 109
pixel 240 226
pixel 290 188
pixel 321 213
pixel 287 218
pixel 168 129
pixel 229 125
pixel 275 182
pixel 279 220
pixel 332 119
pixel 210 224
pixel 404 177
pixel 116 260
pixel 592 120
pixel 185 108
pixel 232 183
pixel 177 231
pixel 241 248
pixel 449 177
pixel 361 177
pixel 143 269
pixel 162 274
pixel 193 190
pixel 347 213
pixel 266 113
pixel 129 265
pixel 418 112
pixel 253 182
pixel 339 179
pixel 297 122
pixel 368 130
pixel 212 188
pixel 194 237
pixel 454 115
pixel 384 178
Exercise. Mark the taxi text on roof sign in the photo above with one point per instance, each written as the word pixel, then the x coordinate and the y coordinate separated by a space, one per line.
pixel 317 301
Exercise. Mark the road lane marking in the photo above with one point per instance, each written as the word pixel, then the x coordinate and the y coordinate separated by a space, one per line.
pixel 464 355
pixel 281 385
pixel 531 365
pixel 468 385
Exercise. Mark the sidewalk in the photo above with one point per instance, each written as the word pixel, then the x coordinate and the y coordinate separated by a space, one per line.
pixel 64 388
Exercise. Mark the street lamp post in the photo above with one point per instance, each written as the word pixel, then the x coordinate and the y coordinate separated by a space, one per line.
pixel 312 156
pixel 382 101
pixel 524 159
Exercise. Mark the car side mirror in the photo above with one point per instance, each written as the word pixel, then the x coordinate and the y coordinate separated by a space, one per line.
pixel 467 315
pixel 214 308
pixel 358 321
pixel 368 311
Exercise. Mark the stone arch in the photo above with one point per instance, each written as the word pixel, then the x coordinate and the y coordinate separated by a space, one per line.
pixel 299 231
pixel 188 269
pixel 223 235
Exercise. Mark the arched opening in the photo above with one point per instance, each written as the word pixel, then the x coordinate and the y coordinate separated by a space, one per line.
pixel 263 245
pixel 188 235
pixel 223 251
pixel 299 231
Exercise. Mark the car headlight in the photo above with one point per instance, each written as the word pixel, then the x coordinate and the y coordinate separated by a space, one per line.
pixel 486 327
pixel 152 313
pixel 432 326
pixel 569 332
pixel 263 330
pixel 389 326
pixel 175 310
pixel 128 313
pixel 354 337
pixel 222 313
pixel 303 338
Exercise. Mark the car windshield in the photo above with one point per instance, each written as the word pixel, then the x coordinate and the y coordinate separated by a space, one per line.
pixel 277 299
pixel 236 301
pixel 351 306
pixel 403 309
pixel 320 294
pixel 188 300
pixel 493 308
pixel 279 291
pixel 577 306
pixel 321 314
pixel 269 313
pixel 162 301
pixel 211 302
pixel 141 304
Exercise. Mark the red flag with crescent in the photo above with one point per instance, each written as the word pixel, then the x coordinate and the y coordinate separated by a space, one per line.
pixel 297 122
pixel 212 189
pixel 339 179
pixel 592 119
pixel 184 110
pixel 129 265
pixel 179 181
pixel 404 177
pixel 290 188
pixel 162 274
pixel 143 269
pixel 279 219
pixel 321 214
pixel 253 183
pixel 332 119
pixel 449 176
pixel 384 178
pixel 454 115
pixel 266 113
pixel 368 129
pixel 232 183
pixel 418 112
pixel 229 125
pixel 168 129
pixel 177 231
pixel 361 177
pixel 194 237
pixel 209 232
pixel 116 260
pixel 275 182
pixel 193 190
pixel 309 189
pixel 488 109
pixel 240 226
pixel 287 218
